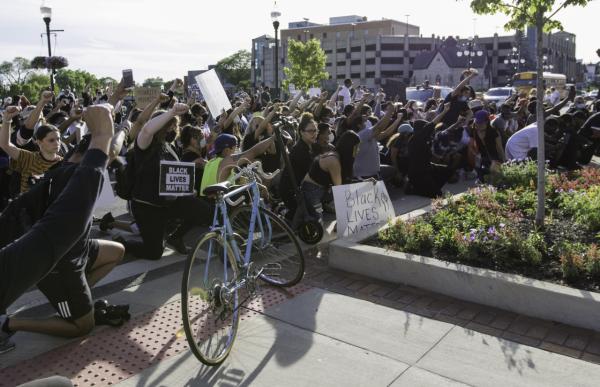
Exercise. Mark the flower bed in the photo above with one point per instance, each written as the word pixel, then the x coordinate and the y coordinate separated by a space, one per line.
pixel 494 227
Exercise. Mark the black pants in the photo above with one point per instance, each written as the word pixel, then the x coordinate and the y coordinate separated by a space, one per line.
pixel 153 223
pixel 26 261
pixel 429 181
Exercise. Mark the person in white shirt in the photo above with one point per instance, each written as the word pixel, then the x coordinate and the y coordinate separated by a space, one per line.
pixel 554 96
pixel 523 141
pixel 344 94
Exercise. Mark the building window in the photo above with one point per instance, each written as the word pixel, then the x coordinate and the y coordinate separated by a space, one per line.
pixel 328 64
pixel 505 46
pixel 392 46
pixel 324 35
pixel 341 76
pixel 328 51
pixel 411 60
pixel 355 75
pixel 355 62
pixel 392 60
pixel 338 35
pixel 370 47
pixel 341 63
pixel 341 50
pixel 419 47
pixel 370 74
pixel 355 49
pixel 392 74
pixel 370 61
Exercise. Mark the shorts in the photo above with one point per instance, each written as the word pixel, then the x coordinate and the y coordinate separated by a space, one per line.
pixel 68 290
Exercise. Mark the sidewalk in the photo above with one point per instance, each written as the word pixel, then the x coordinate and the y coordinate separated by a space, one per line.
pixel 334 328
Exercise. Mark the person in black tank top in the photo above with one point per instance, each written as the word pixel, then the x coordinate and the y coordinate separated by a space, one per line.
pixel 333 168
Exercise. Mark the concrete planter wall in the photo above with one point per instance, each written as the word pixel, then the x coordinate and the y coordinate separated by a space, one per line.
pixel 506 291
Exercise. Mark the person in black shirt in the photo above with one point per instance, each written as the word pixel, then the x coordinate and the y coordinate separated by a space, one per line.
pixel 301 158
pixel 194 150
pixel 459 98
pixel 151 211
pixel 489 144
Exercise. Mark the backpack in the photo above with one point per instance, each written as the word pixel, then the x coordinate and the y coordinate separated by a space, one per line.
pixel 125 177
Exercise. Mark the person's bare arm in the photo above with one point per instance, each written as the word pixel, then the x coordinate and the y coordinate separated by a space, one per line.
pixel 145 115
pixel 320 104
pixel 294 102
pixel 332 165
pixel 440 116
pixel 144 138
pixel 11 150
pixel 74 115
pixel 257 150
pixel 35 115
pixel 234 114
pixel 469 74
pixel 390 129
pixel 120 93
pixel 264 123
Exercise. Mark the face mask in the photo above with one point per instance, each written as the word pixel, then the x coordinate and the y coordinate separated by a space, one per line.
pixel 331 138
pixel 463 98
pixel 331 121
pixel 580 105
pixel 202 143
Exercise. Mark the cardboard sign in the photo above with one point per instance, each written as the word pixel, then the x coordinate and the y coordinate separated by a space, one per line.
pixel 176 178
pixel 361 207
pixel 213 92
pixel 145 95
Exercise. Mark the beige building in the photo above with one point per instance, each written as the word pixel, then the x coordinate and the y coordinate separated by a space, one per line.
pixel 371 52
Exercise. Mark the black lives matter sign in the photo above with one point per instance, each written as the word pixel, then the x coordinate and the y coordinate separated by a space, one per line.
pixel 176 178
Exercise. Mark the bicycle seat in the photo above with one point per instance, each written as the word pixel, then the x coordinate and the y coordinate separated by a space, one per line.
pixel 216 188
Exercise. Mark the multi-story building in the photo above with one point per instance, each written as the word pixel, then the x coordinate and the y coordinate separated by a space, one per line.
pixel 371 52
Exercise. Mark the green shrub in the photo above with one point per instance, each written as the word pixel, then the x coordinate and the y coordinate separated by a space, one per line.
pixel 584 206
pixel 513 175
pixel 572 260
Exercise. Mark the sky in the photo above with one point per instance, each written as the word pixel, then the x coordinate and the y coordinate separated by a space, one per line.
pixel 168 38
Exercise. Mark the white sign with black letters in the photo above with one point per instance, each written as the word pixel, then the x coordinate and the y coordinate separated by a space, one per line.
pixel 360 207
pixel 176 178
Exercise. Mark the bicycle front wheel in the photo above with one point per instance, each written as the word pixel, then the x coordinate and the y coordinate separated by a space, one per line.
pixel 209 305
pixel 275 249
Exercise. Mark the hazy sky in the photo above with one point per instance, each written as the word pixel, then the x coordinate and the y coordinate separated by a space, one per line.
pixel 167 38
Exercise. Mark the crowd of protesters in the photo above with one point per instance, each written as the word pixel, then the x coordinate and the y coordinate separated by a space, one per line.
pixel 347 136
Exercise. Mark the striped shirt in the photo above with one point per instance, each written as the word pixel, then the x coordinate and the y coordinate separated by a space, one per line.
pixel 30 164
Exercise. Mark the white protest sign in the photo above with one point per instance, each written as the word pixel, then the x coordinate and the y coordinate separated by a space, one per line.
pixel 176 178
pixel 314 92
pixel 213 92
pixel 360 207
pixel 145 95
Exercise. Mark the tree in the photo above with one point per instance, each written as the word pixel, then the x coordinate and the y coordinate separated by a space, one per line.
pixel 539 13
pixel 34 85
pixel 76 80
pixel 235 68
pixel 153 82
pixel 307 65
pixel 14 74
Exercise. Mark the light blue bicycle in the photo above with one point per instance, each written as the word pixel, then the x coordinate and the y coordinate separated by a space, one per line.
pixel 241 250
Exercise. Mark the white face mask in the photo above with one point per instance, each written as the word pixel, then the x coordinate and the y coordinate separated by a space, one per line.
pixel 202 143
pixel 331 121
pixel 331 138
pixel 580 105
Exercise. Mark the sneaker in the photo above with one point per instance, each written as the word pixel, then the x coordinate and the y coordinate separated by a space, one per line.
pixel 5 343
pixel 106 223
pixel 178 245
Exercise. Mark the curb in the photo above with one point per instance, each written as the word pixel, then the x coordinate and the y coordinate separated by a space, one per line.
pixel 510 292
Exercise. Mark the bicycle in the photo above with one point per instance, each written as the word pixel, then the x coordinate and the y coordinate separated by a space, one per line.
pixel 237 252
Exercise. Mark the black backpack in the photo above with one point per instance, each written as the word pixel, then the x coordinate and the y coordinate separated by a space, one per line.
pixel 125 176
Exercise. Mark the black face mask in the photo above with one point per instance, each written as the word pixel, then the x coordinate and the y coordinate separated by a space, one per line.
pixel 170 137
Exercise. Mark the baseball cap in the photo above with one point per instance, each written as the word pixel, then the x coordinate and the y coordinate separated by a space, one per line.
pixel 405 128
pixel 481 116
pixel 223 141
pixel 474 104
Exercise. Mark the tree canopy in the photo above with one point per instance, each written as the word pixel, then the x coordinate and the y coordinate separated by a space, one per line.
pixel 307 65
pixel 235 68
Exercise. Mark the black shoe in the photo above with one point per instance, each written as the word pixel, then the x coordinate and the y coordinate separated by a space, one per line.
pixel 106 223
pixel 178 245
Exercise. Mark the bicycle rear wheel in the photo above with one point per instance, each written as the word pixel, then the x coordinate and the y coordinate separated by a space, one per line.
pixel 209 309
pixel 275 248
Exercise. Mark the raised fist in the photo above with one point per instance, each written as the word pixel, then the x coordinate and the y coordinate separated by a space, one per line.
pixel 162 97
pixel 99 119
pixel 179 109
pixel 10 113
pixel 47 96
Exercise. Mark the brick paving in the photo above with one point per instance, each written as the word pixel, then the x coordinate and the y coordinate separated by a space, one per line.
pixel 550 336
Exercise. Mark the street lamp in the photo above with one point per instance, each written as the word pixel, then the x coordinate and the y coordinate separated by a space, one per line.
pixel 514 58
pixel 47 17
pixel 275 15
pixel 545 65
pixel 470 52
